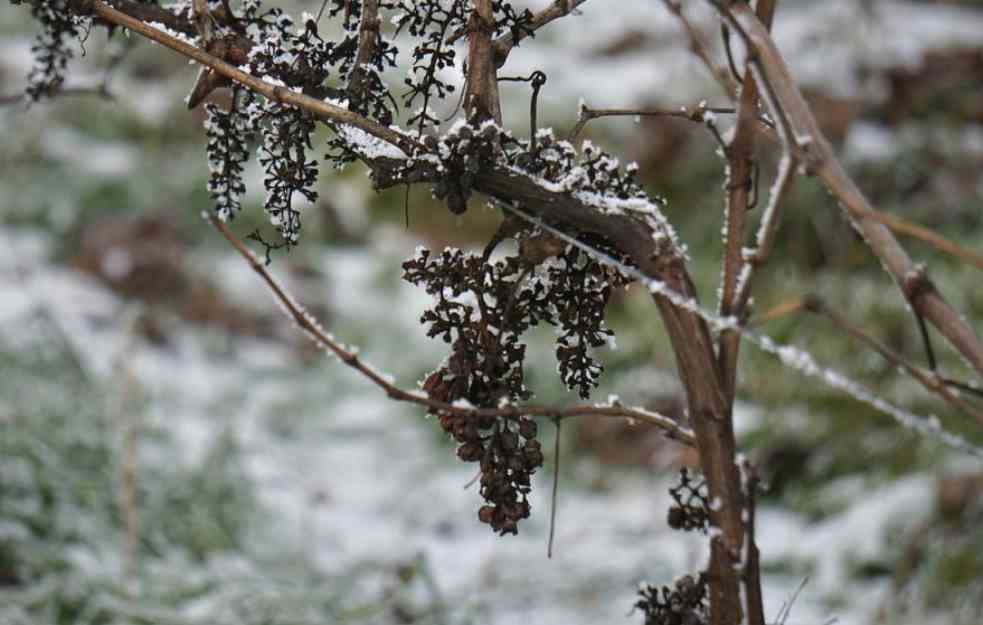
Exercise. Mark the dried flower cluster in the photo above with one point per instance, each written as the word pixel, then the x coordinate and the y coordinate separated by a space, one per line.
pixel 461 154
pixel 59 26
pixel 684 603
pixel 691 508
pixel 482 309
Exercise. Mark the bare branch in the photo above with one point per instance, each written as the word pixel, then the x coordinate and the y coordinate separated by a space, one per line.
pixel 929 379
pixel 698 113
pixel 767 231
pixel 932 381
pixel 902 226
pixel 481 101
pixel 817 155
pixel 736 274
pixel 368 42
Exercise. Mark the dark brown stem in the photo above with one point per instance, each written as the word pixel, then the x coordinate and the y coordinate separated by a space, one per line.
pixel 740 161
pixel 368 42
pixel 696 113
pixel 481 100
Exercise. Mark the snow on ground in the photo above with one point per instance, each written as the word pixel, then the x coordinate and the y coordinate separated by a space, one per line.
pixel 351 480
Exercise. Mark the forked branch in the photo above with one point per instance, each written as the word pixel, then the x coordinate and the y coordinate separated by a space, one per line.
pixel 773 76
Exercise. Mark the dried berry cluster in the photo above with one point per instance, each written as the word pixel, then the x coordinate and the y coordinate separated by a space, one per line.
pixel 685 603
pixel 482 309
pixel 507 452
pixel 51 50
pixel 691 510
pixel 592 170
pixel 462 153
pixel 433 22
pixel 581 289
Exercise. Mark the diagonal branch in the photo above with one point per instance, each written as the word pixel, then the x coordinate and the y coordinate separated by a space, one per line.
pixel 701 113
pixel 736 270
pixel 481 100
pixel 323 110
pixel 699 47
pixel 930 380
pixel 368 42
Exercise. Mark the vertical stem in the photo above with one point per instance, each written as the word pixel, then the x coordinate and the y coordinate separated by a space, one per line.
pixel 368 39
pixel 710 414
pixel 739 161
pixel 481 101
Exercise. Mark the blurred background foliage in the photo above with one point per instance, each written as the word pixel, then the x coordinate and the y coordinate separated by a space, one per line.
pixel 115 190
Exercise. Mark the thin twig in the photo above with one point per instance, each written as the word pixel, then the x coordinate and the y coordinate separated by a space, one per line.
pixel 902 226
pixel 927 378
pixel 554 496
pixel 783 613
pixel 701 49
pixel 931 380
pixel 767 231
pixel 699 113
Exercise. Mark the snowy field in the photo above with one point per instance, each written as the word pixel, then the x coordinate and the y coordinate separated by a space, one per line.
pixel 344 506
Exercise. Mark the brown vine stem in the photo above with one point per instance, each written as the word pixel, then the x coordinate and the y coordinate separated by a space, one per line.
pixel 774 79
pixel 740 154
pixel 481 99
pixel 348 356
pixel 696 114
pixel 368 40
